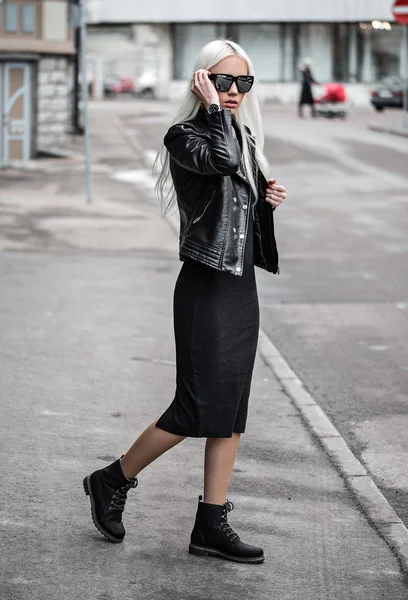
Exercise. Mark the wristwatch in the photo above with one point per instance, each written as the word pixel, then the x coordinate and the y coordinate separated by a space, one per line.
pixel 214 108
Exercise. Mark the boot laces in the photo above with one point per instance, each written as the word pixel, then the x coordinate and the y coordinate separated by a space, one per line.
pixel 119 497
pixel 225 526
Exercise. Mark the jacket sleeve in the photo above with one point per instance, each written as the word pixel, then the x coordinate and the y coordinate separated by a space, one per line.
pixel 219 155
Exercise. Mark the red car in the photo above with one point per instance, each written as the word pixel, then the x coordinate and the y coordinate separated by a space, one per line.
pixel 118 84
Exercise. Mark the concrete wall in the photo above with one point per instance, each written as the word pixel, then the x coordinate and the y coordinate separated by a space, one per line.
pixel 275 11
pixel 55 20
pixel 54 102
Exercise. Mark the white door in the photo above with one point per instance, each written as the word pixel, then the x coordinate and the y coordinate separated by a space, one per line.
pixel 15 110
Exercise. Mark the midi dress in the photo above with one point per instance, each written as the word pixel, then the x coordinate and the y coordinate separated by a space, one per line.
pixel 216 325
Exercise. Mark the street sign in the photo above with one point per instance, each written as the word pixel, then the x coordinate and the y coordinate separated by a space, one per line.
pixel 400 11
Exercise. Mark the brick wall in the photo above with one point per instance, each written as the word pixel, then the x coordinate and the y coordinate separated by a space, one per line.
pixel 54 91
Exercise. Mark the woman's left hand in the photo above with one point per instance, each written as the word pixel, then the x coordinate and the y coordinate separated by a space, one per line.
pixel 275 194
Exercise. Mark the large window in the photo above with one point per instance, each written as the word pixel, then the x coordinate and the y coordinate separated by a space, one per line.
pixel 315 42
pixel 263 45
pixel 386 52
pixel 188 40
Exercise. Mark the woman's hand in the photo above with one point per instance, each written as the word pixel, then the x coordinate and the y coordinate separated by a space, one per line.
pixel 203 88
pixel 275 194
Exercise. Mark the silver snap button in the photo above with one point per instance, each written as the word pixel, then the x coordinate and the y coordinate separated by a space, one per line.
pixel 234 229
pixel 234 199
pixel 245 206
pixel 241 236
pixel 238 269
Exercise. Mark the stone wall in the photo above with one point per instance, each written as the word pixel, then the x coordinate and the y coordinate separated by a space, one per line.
pixel 54 102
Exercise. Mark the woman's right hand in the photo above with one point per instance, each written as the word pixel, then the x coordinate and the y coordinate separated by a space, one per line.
pixel 203 88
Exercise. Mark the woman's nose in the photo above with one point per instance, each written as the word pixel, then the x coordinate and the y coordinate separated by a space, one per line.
pixel 233 91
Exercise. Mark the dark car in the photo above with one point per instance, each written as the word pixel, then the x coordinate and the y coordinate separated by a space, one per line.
pixel 388 93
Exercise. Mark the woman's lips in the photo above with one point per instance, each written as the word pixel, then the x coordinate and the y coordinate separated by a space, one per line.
pixel 231 103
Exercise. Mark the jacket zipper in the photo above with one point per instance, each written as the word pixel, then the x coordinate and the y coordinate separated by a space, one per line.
pixel 205 208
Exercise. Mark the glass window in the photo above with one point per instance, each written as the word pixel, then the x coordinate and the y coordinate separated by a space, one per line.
pixel 386 51
pixel 379 51
pixel 11 20
pixel 315 42
pixel 262 43
pixel 28 24
pixel 28 18
pixel 188 41
pixel 341 51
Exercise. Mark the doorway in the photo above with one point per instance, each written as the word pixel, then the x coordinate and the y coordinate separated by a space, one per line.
pixel 15 111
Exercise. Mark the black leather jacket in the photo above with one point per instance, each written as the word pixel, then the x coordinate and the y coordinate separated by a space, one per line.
pixel 214 195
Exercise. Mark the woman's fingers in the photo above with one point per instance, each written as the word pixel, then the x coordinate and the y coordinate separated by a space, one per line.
pixel 278 188
pixel 275 194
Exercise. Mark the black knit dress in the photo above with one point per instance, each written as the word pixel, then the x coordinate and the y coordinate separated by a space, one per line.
pixel 216 323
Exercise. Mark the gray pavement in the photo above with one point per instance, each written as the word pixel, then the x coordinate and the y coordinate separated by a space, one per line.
pixel 87 361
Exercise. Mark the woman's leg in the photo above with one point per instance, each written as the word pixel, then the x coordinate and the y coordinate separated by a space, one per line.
pixel 151 444
pixel 220 454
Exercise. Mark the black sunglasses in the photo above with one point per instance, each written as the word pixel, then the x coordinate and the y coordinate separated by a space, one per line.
pixel 223 82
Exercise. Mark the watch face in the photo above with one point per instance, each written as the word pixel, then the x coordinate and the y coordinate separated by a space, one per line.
pixel 213 108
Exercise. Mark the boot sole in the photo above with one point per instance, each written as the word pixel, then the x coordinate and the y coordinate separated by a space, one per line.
pixel 205 551
pixel 88 491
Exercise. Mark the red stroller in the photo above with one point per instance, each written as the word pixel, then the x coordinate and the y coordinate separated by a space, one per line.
pixel 333 103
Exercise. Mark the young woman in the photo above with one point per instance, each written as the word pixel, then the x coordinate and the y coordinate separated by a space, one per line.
pixel 306 92
pixel 212 164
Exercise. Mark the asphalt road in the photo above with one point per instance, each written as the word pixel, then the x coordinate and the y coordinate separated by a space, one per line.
pixel 339 310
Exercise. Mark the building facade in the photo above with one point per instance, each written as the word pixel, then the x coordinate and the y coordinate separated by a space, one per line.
pixel 352 41
pixel 36 50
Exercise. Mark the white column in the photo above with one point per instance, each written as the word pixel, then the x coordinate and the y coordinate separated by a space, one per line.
pixel 353 53
pixel 367 71
pixel 404 53
pixel 98 77
pixel 164 62
pixel 288 54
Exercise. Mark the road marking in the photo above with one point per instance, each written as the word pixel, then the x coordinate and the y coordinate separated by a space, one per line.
pixel 379 348
pixel 377 508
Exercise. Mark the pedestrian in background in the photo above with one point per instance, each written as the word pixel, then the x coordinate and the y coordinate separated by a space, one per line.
pixel 306 92
pixel 212 164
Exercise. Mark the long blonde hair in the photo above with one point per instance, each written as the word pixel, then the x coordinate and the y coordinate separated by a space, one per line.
pixel 248 115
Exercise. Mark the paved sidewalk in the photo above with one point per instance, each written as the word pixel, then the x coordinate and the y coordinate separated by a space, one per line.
pixel 87 361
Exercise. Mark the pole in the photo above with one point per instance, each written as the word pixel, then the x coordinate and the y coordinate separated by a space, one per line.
pixel 405 78
pixel 85 104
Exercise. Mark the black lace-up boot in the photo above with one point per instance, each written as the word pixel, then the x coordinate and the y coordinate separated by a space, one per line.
pixel 107 489
pixel 213 536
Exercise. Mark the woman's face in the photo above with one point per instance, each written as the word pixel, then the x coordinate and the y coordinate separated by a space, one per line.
pixel 233 65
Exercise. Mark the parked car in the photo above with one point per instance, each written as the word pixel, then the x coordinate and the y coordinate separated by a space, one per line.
pixel 118 84
pixel 145 84
pixel 388 93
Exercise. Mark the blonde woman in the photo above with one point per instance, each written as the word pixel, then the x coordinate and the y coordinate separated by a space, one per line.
pixel 212 165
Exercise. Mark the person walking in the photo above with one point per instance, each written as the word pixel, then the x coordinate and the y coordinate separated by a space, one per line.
pixel 306 93
pixel 212 165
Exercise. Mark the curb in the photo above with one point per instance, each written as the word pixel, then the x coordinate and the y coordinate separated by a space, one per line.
pixel 375 505
pixel 393 130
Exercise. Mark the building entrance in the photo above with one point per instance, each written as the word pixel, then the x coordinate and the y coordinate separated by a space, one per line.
pixel 15 111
